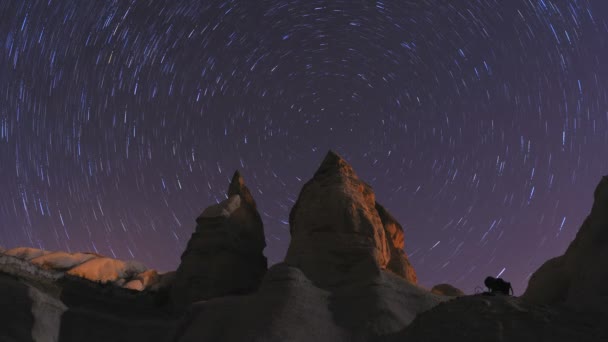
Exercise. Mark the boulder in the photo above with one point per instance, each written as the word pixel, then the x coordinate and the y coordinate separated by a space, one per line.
pixel 336 231
pixel 225 253
pixel 447 290
pixel 578 278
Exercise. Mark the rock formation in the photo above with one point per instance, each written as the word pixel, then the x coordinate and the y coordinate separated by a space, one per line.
pixel 225 253
pixel 447 290
pixel 335 228
pixel 336 283
pixel 579 277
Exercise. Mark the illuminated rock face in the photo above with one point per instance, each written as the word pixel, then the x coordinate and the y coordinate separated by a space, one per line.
pixel 578 278
pixel 336 232
pixel 225 253
pixel 398 262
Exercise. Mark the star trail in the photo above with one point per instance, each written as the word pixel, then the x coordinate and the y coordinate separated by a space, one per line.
pixel 482 125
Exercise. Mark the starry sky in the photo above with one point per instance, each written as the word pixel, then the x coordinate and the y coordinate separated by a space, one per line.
pixel 482 125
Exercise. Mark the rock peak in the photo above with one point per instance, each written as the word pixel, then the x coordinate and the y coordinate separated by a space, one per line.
pixel 334 164
pixel 238 187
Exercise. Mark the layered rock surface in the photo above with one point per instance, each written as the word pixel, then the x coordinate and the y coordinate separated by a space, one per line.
pixel 225 253
pixel 58 296
pixel 23 261
pixel 579 277
pixel 338 281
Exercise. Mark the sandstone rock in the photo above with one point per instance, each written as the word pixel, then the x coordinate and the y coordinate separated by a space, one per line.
pixel 225 253
pixel 398 263
pixel 25 253
pixel 61 260
pixel 336 228
pixel 105 270
pixel 578 278
pixel 447 290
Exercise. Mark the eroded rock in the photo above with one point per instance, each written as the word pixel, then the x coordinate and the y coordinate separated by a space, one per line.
pixel 336 232
pixel 225 253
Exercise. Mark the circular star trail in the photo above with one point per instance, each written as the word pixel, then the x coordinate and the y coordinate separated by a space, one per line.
pixel 481 125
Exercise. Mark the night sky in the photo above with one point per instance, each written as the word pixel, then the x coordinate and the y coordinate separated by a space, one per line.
pixel 482 125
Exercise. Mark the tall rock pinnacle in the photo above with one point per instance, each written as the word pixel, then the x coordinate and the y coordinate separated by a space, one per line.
pixel 225 253
pixel 578 277
pixel 336 230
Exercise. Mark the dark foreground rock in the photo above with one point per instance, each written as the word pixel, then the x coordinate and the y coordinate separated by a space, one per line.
pixel 290 307
pixel 503 318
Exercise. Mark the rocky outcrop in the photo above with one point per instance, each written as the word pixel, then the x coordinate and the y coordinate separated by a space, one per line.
pixel 335 284
pixel 578 278
pixel 336 232
pixel 447 290
pixel 36 264
pixel 225 253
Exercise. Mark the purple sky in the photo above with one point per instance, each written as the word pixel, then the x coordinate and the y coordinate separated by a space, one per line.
pixel 481 125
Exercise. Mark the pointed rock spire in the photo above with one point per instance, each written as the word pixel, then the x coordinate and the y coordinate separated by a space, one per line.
pixel 336 232
pixel 578 277
pixel 225 253
pixel 238 187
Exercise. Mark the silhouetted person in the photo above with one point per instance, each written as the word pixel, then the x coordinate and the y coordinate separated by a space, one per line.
pixel 498 286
